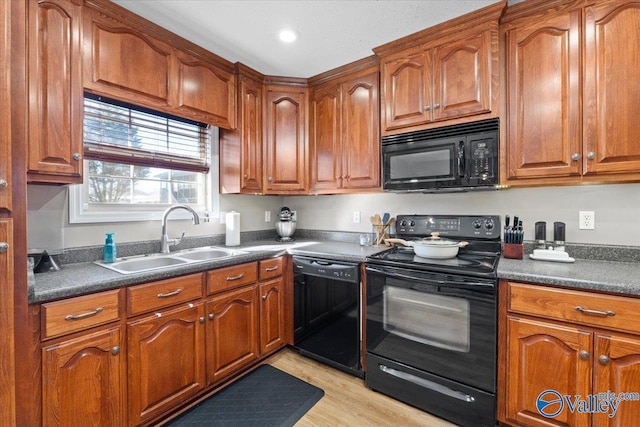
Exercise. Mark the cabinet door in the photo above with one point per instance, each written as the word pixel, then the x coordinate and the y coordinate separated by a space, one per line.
pixel 543 102
pixel 617 370
pixel 324 139
pixel 286 146
pixel 55 91
pixel 7 343
pixel 406 90
pixel 205 92
pixel 5 116
pixel 361 132
pixel 166 360
pixel 83 381
pixel 250 135
pixel 544 356
pixel 462 78
pixel 232 332
pixel 125 63
pixel 612 93
pixel 272 315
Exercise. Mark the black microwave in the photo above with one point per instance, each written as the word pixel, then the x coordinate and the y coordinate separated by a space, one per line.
pixel 453 158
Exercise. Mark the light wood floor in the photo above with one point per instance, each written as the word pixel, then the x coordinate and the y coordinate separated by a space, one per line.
pixel 347 401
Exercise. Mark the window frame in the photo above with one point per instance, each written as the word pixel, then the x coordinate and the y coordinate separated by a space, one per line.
pixel 81 213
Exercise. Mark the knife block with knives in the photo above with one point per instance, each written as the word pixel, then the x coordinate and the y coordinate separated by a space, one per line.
pixel 513 246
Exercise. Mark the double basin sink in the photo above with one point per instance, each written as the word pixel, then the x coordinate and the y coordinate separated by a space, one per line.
pixel 141 263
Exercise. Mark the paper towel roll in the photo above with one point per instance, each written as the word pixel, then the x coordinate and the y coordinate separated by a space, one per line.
pixel 233 228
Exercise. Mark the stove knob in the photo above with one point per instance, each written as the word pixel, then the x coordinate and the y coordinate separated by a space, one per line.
pixel 403 223
pixel 477 224
pixel 488 224
pixel 412 223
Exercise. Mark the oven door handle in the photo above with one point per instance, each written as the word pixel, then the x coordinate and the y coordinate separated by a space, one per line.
pixel 396 273
pixel 427 384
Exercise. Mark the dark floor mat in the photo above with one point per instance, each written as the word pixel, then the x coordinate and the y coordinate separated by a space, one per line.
pixel 265 397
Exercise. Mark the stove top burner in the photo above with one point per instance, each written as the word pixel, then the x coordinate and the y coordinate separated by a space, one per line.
pixel 479 258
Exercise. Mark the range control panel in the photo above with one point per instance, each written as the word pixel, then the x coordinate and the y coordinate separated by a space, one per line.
pixel 463 226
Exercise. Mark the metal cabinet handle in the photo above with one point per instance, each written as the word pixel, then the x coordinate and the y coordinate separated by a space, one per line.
pixel 83 315
pixel 211 316
pixel 115 350
pixel 170 294
pixel 3 183
pixel 77 156
pixel 595 312
pixel 201 319
pixel 436 105
pixel 264 297
pixel 575 156
pixel 269 179
pixel 591 155
pixel 272 268
pixel 604 360
pixel 584 355
pixel 238 277
pixel 4 246
pixel 427 107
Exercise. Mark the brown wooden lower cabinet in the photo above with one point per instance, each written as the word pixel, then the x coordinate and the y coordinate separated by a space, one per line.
pixel 83 380
pixel 232 332
pixel 117 366
pixel 166 363
pixel 571 349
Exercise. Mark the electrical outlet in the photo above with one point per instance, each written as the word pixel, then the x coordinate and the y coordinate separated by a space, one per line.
pixel 587 220
pixel 356 217
pixel 267 216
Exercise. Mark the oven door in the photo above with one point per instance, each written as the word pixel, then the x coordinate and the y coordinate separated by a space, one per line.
pixel 419 165
pixel 438 323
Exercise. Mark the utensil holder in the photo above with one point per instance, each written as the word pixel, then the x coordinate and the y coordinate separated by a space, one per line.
pixel 513 250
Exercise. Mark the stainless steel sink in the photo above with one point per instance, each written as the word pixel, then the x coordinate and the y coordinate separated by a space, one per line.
pixel 205 254
pixel 138 264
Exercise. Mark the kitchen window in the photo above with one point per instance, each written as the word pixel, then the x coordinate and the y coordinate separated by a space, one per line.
pixel 138 162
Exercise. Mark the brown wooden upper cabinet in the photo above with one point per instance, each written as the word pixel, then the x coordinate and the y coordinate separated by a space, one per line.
pixel 54 29
pixel 443 73
pixel 344 137
pixel 241 150
pixel 130 59
pixel 569 121
pixel 286 160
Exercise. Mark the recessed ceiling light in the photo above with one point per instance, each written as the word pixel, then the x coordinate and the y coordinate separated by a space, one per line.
pixel 288 36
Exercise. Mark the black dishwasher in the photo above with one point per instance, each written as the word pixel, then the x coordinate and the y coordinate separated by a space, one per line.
pixel 327 312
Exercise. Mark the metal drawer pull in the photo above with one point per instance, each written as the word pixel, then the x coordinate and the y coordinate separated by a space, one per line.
pixel 272 268
pixel 427 384
pixel 238 277
pixel 4 246
pixel 595 312
pixel 170 294
pixel 83 315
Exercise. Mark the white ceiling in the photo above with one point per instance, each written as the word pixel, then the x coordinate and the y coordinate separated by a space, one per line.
pixel 331 32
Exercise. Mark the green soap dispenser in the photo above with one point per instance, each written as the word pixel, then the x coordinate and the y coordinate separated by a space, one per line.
pixel 109 248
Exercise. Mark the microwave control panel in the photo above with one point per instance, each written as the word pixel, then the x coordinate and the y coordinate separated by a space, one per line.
pixel 483 160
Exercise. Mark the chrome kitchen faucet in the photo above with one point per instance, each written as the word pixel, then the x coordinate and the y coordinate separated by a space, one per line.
pixel 165 242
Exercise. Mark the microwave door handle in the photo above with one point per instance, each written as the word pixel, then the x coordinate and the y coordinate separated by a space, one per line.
pixel 461 162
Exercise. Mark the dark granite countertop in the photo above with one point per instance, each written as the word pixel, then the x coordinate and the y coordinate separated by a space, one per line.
pixel 86 277
pixel 587 274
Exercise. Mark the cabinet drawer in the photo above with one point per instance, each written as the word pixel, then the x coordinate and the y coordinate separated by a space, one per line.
pixel 607 311
pixel 232 277
pixel 270 268
pixel 163 293
pixel 75 314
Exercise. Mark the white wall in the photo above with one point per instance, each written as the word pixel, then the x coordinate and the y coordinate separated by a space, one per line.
pixel 49 228
pixel 617 209
pixel 617 213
